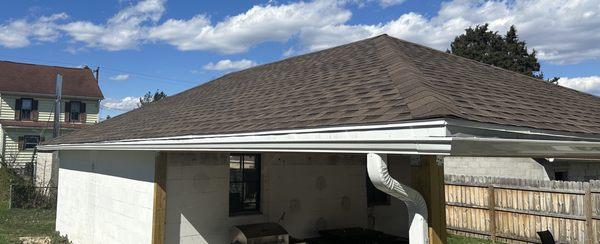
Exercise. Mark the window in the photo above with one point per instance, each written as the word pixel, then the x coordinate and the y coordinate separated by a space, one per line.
pixel 376 197
pixel 244 184
pixel 26 107
pixel 30 142
pixel 75 111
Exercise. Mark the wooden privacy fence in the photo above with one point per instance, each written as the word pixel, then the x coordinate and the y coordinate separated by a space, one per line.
pixel 514 210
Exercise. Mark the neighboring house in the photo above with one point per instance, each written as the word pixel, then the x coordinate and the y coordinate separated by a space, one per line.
pixel 27 99
pixel 305 141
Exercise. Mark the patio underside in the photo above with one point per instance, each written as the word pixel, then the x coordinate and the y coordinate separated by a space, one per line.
pixel 316 197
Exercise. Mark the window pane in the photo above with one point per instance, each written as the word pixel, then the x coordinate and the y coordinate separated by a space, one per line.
pixel 31 141
pixel 250 171
pixel 75 107
pixel 74 116
pixel 235 197
pixel 235 168
pixel 25 114
pixel 251 195
pixel 26 104
pixel 244 186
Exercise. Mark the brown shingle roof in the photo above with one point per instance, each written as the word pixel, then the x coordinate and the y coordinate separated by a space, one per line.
pixel 41 79
pixel 374 81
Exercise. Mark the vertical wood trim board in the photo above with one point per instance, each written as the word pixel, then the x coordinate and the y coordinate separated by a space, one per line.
pixel 428 179
pixel 160 199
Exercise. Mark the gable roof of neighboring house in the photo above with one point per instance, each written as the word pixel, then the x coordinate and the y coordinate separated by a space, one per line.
pixel 41 79
pixel 380 80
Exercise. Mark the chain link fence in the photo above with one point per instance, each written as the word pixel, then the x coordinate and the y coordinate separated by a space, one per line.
pixel 28 196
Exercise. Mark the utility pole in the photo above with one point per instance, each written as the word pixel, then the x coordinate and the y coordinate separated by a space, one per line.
pixel 57 106
pixel 97 71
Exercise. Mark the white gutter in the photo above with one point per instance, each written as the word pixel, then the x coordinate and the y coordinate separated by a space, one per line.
pixel 425 137
pixel 429 137
pixel 415 203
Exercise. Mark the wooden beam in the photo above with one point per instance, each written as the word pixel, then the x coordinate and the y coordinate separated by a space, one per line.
pixel 160 199
pixel 428 179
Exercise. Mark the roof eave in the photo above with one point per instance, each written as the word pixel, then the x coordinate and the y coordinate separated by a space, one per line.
pixel 432 137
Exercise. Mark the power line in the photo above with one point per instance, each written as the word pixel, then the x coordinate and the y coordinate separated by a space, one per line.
pixel 147 76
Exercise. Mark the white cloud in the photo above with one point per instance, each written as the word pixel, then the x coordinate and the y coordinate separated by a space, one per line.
pixel 228 65
pixel 124 30
pixel 120 77
pixel 590 84
pixel 387 3
pixel 19 33
pixel 259 24
pixel 124 104
pixel 561 31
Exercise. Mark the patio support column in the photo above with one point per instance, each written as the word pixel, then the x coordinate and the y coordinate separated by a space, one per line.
pixel 160 199
pixel 428 179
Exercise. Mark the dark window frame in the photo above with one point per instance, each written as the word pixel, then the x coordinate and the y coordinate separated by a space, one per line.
pixel 34 137
pixel 77 113
pixel 29 111
pixel 258 167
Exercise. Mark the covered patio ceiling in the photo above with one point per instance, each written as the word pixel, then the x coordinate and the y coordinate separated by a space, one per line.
pixel 455 137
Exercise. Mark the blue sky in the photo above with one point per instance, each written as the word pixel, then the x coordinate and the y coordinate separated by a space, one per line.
pixel 146 45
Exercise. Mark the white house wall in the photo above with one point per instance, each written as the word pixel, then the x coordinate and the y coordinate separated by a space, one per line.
pixel 106 197
pixel 314 191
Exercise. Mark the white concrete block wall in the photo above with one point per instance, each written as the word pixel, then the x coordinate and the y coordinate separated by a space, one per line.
pixel 106 197
pixel 314 190
pixel 522 168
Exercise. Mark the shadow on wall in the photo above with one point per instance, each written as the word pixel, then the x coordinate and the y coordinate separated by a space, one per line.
pixel 112 161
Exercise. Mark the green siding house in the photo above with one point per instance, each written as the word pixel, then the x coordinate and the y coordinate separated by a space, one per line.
pixel 27 95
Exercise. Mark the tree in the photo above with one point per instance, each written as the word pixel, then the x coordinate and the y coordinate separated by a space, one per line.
pixel 506 52
pixel 149 97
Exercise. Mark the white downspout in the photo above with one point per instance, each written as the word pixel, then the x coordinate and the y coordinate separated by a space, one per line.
pixel 415 203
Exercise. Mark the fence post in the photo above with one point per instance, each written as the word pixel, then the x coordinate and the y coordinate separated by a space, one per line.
pixel 492 209
pixel 10 193
pixel 589 235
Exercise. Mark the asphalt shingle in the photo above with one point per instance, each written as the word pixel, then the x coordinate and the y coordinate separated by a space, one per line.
pixel 374 81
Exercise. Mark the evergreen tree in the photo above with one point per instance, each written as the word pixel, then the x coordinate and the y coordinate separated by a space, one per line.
pixel 506 52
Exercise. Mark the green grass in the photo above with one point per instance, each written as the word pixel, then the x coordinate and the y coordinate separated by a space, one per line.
pixel 15 223
pixel 454 239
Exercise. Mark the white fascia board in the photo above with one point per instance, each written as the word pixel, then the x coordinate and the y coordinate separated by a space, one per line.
pixel 425 137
